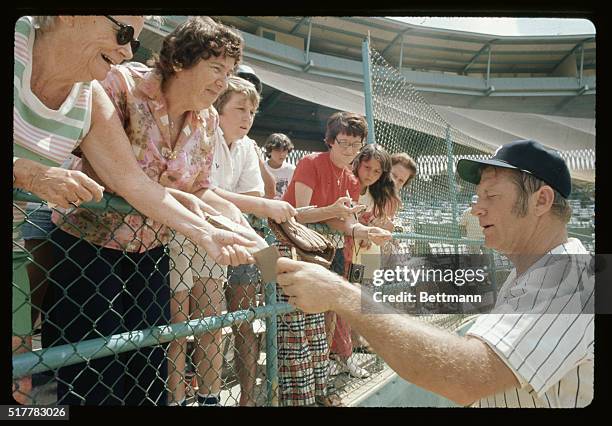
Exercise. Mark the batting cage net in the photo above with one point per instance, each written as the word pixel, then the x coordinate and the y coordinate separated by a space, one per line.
pixel 436 201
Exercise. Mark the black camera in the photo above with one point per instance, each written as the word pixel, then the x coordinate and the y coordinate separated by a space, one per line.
pixel 355 273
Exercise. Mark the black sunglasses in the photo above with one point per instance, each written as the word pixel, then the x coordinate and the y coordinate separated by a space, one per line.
pixel 125 34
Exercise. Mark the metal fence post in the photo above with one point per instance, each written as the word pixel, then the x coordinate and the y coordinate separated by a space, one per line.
pixel 271 348
pixel 367 88
pixel 451 183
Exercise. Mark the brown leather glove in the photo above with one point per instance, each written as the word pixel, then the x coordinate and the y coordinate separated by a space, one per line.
pixel 310 245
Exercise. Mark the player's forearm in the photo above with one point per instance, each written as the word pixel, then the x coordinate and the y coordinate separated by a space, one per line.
pixel 434 359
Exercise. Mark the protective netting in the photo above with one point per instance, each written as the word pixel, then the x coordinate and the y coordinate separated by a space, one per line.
pixel 436 201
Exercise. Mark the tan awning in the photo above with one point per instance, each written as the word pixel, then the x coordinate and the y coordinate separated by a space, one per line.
pixel 483 129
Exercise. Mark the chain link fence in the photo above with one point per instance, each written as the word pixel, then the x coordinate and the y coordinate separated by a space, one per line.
pixel 152 321
pixel 437 199
pixel 161 325
pixel 85 336
pixel 433 218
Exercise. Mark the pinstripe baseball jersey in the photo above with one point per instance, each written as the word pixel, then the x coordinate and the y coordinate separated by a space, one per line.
pixel 542 327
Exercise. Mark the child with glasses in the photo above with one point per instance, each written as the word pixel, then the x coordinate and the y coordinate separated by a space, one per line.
pixel 323 180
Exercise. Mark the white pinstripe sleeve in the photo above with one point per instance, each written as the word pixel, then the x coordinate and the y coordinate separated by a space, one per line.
pixel 539 349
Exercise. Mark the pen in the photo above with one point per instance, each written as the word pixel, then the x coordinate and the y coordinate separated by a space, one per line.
pixel 351 204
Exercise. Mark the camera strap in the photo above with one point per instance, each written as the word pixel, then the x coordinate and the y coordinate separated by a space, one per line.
pixel 356 249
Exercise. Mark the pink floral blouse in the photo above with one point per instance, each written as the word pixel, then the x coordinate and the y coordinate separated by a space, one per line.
pixel 136 92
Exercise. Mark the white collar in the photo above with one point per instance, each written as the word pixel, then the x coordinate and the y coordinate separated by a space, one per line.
pixel 571 246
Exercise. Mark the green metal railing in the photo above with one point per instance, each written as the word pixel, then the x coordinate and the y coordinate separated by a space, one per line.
pixel 68 354
pixel 53 358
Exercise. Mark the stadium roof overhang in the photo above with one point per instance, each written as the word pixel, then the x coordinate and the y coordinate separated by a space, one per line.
pixel 416 47
pixel 301 89
pixel 547 86
pixel 485 128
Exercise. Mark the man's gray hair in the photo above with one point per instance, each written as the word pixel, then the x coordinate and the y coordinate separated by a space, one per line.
pixel 527 184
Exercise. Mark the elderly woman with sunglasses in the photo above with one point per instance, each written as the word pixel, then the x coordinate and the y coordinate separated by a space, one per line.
pixel 58 107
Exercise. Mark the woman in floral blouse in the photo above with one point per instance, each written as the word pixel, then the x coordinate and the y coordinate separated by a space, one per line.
pixel 114 279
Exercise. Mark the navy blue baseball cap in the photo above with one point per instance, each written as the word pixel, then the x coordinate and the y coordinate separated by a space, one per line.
pixel 527 156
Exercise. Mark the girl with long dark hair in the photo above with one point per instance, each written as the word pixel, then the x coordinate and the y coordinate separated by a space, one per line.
pixel 372 167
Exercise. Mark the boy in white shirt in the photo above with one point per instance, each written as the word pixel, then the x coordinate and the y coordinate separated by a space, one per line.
pixel 278 146
pixel 248 74
pixel 236 169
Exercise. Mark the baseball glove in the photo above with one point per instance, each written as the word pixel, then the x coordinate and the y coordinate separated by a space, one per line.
pixel 310 245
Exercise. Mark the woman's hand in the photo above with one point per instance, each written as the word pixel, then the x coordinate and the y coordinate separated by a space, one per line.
pixel 378 235
pixel 225 247
pixel 384 223
pixel 55 185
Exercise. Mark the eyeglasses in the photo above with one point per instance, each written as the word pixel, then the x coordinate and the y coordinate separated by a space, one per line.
pixel 345 144
pixel 125 34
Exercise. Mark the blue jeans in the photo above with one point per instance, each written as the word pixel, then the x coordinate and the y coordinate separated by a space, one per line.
pixel 242 274
pixel 38 225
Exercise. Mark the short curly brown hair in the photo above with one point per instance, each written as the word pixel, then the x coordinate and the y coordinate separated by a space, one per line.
pixel 199 37
pixel 278 141
pixel 345 122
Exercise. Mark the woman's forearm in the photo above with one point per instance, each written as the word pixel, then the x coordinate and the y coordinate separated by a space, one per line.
pixel 154 200
pixel 24 171
pixel 358 230
pixel 319 214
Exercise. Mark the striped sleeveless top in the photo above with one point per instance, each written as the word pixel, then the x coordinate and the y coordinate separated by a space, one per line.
pixel 41 133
